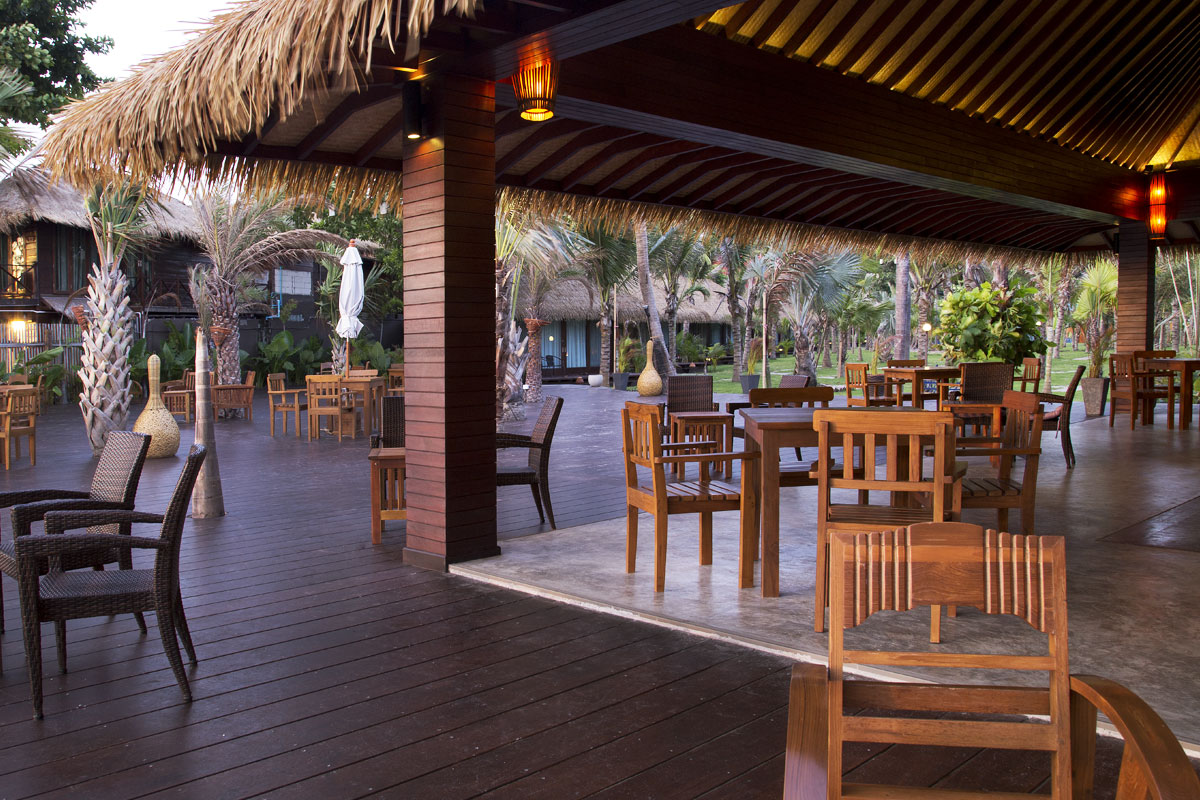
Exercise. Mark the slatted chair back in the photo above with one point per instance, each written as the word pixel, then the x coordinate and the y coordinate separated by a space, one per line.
pixel 985 381
pixel 793 381
pixel 16 379
pixel 949 563
pixel 326 368
pixel 1031 374
pixel 391 425
pixel 251 377
pixel 276 382
pixel 189 379
pixel 22 406
pixel 906 362
pixel 792 398
pixel 1140 356
pixel 641 426
pixel 396 378
pixel 1022 427
pixel 543 432
pixel 689 393
pixel 873 393
pixel 324 391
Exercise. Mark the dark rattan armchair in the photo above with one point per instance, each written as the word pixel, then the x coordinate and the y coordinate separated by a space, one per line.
pixel 536 473
pixel 114 486
pixel 1059 419
pixel 391 423
pixel 58 596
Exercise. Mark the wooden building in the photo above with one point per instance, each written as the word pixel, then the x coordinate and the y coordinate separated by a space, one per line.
pixel 1018 130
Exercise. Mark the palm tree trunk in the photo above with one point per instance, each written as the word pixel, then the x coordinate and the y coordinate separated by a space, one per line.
pixel 606 343
pixel 1000 275
pixel 903 307
pixel 843 344
pixel 533 371
pixel 804 364
pixel 104 364
pixel 207 498
pixel 923 305
pixel 648 300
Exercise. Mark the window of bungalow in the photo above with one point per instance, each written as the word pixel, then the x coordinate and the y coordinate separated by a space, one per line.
pixel 74 254
pixel 17 257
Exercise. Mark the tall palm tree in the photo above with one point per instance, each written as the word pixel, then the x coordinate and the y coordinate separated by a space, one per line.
pixel 927 278
pixel 606 271
pixel 816 282
pixel 244 239
pixel 1095 305
pixel 903 306
pixel 683 267
pixel 12 86
pixel 116 214
pixel 731 259
pixel 641 239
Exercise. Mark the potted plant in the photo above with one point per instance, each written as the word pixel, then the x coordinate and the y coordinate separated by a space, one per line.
pixel 713 355
pixel 750 377
pixel 1095 305
pixel 630 360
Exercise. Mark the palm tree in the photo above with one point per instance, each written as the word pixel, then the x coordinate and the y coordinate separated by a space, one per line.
pixel 1094 307
pixel 731 260
pixel 642 244
pixel 117 218
pixel 903 306
pixel 606 271
pixel 816 282
pixel 244 239
pixel 926 280
pixel 682 265
pixel 12 86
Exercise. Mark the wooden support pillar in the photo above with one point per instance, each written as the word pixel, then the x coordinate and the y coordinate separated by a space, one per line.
pixel 1135 287
pixel 450 324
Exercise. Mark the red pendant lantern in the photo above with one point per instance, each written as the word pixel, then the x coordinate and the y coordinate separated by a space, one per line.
pixel 1157 219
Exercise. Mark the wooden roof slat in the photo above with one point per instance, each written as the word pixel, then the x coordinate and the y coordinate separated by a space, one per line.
pixel 980 25
pixel 734 174
pixel 569 148
pixel 807 26
pixel 772 23
pixel 922 47
pixel 614 150
pixel 877 33
pixel 741 17
pixel 846 24
pixel 678 162
pixel 669 148
pixel 748 183
pixel 874 69
pixel 546 132
pixel 1009 29
pixel 698 172
pixel 801 210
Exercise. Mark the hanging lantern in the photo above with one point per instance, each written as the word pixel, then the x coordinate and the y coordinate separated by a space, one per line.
pixel 535 87
pixel 1157 219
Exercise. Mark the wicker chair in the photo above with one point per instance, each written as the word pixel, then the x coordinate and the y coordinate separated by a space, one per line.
pixel 19 419
pixel 114 486
pixel 980 382
pixel 793 382
pixel 235 397
pixel 687 393
pixel 391 425
pixel 536 474
pixel 59 596
pixel 1059 419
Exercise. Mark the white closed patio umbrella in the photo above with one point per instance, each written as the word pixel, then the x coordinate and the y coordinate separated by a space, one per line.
pixel 350 297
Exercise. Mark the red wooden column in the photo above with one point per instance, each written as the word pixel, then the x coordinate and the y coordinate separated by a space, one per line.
pixel 1135 287
pixel 449 326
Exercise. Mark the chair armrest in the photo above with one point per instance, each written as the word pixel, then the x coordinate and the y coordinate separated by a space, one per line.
pixel 41 545
pixel 971 405
pixel 35 495
pixel 27 513
pixel 688 445
pixel 59 521
pixel 1149 743
pixel 1048 397
pixel 708 457
pixel 516 440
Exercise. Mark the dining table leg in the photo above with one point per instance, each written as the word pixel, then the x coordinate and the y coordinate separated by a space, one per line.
pixel 1185 396
pixel 769 504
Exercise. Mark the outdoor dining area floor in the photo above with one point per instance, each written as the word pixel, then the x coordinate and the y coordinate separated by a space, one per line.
pixel 328 668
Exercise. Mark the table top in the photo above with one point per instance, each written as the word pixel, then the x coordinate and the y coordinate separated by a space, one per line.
pixel 935 371
pixel 1170 362
pixel 787 418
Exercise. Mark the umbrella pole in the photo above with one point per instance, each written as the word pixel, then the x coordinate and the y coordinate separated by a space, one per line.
pixel 346 362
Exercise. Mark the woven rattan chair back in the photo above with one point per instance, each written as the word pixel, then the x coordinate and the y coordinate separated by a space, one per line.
pixel 986 381
pixel 689 393
pixel 391 425
pixel 166 566
pixel 793 381
pixel 543 433
pixel 120 467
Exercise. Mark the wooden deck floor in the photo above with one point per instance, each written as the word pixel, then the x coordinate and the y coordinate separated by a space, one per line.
pixel 329 669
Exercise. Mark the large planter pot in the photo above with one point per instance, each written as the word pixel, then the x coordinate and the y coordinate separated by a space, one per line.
pixel 621 380
pixel 1095 394
pixel 595 380
pixel 750 382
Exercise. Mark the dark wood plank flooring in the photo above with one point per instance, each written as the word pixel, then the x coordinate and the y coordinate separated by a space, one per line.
pixel 329 669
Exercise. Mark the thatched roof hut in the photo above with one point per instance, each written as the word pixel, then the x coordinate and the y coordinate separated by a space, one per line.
pixel 30 196
pixel 570 299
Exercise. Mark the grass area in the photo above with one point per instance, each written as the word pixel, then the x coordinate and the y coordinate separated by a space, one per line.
pixel 1061 370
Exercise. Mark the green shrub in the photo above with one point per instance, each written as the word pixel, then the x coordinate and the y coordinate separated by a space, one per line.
pixel 178 352
pixel 987 324
pixel 715 353
pixel 369 351
pixel 631 356
pixel 754 354
pixel 689 349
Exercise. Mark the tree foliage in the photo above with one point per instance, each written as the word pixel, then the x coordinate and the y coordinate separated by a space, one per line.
pixel 989 324
pixel 38 40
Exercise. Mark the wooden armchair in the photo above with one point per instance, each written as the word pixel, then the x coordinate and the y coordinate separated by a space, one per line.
pixel 282 400
pixel 901 434
pixel 998 573
pixel 327 400
pixel 1138 390
pixel 18 420
pixel 1031 375
pixel 395 376
pixel 643 447
pixel 1059 419
pixel 536 472
pixel 1156 380
pixel 235 397
pixel 1020 435
pixel 899 383
pixel 874 393
pixel 180 396
pixel 389 467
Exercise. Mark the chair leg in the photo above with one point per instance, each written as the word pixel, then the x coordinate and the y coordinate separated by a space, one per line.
pixel 631 534
pixel 544 488
pixel 60 640
pixel 33 658
pixel 33 449
pixel 273 423
pixel 935 624
pixel 181 628
pixel 141 621
pixel 166 632
pixel 822 578
pixel 706 538
pixel 1002 519
pixel 537 501
pixel 660 552
pixel 1064 433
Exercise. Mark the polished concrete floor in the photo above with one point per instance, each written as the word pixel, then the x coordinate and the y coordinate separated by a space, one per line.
pixel 1128 511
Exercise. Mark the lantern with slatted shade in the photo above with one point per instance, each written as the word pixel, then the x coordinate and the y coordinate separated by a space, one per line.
pixel 534 87
pixel 1157 220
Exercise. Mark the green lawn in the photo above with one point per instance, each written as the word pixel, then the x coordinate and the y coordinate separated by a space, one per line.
pixel 1061 370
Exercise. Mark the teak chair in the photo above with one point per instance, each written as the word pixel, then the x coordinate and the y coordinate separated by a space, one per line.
pixel 59 596
pixel 1155 380
pixel 1059 419
pixel 536 473
pixel 395 378
pixel 874 393
pixel 114 486
pixel 644 447
pixel 1031 375
pixel 1020 435
pixel 389 465
pixel 235 396
pixel 180 396
pixel 326 399
pixel 19 420
pixel 282 400
pixel 901 433
pixel 1138 389
pixel 998 573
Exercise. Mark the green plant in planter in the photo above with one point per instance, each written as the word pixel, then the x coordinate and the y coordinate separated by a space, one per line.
pixel 178 352
pixel 630 356
pixel 987 324
pixel 715 353
pixel 689 348
pixel 754 354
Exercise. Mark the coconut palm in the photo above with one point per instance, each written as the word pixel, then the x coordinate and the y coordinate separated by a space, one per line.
pixel 606 271
pixel 244 239
pixel 641 239
pixel 926 279
pixel 117 218
pixel 731 259
pixel 681 263
pixel 12 86
pixel 816 281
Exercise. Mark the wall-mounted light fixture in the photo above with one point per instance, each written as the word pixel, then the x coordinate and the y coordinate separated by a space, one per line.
pixel 414 117
pixel 535 87
pixel 1156 221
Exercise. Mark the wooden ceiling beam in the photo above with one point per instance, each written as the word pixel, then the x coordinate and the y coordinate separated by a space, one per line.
pixel 388 131
pixel 769 192
pixel 569 148
pixel 372 96
pixel 547 131
pixel 1009 29
pixel 678 162
pixel 723 179
pixel 772 23
pixel 617 148
pixel 856 199
pixel 800 113
pixel 906 195
pixel 280 153
pixel 638 159
pixel 806 184
pixel 887 210
pixel 802 209
pixel 748 183
pixel 806 27
pixel 983 19
pixel 741 17
pixel 699 171
pixel 251 142
pixel 885 51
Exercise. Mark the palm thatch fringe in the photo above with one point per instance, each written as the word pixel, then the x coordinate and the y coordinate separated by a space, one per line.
pixel 249 65
pixel 794 236
pixel 570 299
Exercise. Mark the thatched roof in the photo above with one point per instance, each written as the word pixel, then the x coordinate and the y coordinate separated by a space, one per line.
pixel 30 196
pixel 247 69
pixel 570 299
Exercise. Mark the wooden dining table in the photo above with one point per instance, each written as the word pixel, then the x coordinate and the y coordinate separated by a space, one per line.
pixel 1186 367
pixel 917 376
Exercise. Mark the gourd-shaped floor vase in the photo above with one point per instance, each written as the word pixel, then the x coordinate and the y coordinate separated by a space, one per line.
pixel 156 420
pixel 649 382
